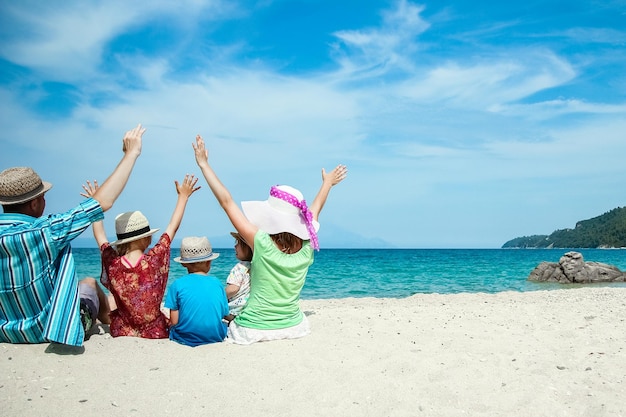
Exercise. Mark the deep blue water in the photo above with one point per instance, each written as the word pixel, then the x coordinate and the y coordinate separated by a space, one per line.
pixel 397 273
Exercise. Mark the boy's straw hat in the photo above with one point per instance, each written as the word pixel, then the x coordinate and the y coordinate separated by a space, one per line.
pixel 21 184
pixel 195 249
pixel 132 225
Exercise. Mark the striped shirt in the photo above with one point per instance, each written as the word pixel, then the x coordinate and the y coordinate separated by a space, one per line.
pixel 38 287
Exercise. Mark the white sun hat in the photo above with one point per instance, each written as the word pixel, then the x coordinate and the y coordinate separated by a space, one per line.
pixel 284 211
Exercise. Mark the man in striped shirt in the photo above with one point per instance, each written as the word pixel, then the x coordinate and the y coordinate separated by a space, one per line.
pixel 38 288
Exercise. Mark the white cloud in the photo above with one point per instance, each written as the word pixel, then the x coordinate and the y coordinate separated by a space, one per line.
pixel 65 39
pixel 551 109
pixel 594 35
pixel 372 52
pixel 429 142
pixel 491 82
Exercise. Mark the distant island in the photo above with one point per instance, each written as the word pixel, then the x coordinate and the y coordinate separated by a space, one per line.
pixel 605 231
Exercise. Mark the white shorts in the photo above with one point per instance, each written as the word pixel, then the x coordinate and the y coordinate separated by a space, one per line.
pixel 245 335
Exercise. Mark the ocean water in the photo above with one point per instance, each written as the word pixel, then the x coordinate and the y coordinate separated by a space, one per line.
pixel 398 273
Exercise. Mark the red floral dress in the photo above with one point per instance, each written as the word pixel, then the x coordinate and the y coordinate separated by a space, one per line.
pixel 138 290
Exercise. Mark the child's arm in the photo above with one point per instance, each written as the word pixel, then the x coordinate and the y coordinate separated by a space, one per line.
pixel 173 317
pixel 183 190
pixel 97 227
pixel 329 180
pixel 231 290
pixel 99 234
pixel 246 229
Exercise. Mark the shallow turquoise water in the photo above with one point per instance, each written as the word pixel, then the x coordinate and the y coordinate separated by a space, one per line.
pixel 396 273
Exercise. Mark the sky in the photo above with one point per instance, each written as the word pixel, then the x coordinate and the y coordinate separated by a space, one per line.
pixel 463 124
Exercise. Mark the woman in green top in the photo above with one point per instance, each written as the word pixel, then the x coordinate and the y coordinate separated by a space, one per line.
pixel 282 232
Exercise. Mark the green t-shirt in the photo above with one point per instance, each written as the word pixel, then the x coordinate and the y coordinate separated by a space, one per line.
pixel 276 280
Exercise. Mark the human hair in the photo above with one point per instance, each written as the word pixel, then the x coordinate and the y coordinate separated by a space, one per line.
pixel 27 207
pixel 123 248
pixel 287 242
pixel 194 267
pixel 246 250
pixel 15 208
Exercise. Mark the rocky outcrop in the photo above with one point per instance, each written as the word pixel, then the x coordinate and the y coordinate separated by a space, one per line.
pixel 572 269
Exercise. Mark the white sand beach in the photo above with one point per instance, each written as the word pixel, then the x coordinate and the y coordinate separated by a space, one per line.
pixel 546 353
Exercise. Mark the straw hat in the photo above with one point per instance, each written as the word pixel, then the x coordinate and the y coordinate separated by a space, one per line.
pixel 21 184
pixel 195 249
pixel 238 237
pixel 281 212
pixel 132 225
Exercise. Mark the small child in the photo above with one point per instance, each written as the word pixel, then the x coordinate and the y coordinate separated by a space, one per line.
pixel 135 274
pixel 238 281
pixel 197 301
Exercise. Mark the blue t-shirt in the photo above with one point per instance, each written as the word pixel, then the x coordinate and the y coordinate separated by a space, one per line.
pixel 201 304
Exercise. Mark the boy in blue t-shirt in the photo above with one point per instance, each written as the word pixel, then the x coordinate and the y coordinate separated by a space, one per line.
pixel 197 301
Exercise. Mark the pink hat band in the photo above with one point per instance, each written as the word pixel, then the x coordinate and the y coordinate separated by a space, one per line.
pixel 304 212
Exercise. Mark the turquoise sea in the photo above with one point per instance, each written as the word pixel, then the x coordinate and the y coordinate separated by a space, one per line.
pixel 397 273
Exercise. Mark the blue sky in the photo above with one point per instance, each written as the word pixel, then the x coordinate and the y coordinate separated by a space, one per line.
pixel 463 124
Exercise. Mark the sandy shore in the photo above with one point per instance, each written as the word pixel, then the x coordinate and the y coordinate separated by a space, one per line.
pixel 547 353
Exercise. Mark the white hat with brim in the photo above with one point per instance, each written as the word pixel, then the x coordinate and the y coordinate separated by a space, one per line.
pixel 21 184
pixel 131 226
pixel 277 216
pixel 195 249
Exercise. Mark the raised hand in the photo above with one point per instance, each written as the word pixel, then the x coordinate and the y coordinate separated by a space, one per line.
pixel 329 179
pixel 188 186
pixel 90 189
pixel 199 149
pixel 132 140
pixel 183 190
pixel 335 176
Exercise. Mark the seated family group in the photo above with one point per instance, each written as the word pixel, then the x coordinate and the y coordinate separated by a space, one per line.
pixel 41 300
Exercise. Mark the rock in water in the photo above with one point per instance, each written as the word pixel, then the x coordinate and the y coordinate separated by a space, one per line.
pixel 572 269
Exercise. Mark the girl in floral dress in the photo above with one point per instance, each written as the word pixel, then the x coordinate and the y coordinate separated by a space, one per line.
pixel 137 279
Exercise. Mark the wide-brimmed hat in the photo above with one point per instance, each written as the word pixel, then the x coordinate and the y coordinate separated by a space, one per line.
pixel 132 225
pixel 284 211
pixel 21 184
pixel 238 237
pixel 195 249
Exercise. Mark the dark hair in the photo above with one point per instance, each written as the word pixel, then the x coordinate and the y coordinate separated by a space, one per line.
pixel 21 208
pixel 246 250
pixel 197 267
pixel 287 242
pixel 15 208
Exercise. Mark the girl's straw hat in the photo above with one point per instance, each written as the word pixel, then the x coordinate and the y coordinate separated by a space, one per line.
pixel 130 226
pixel 284 211
pixel 21 184
pixel 195 249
